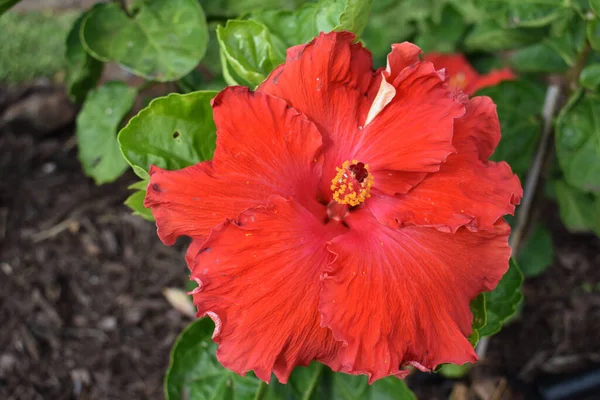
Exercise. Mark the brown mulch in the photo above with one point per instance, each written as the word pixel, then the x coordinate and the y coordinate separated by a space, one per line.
pixel 82 314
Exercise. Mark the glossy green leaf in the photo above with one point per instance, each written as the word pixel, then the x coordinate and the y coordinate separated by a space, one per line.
pixel 519 110
pixel 136 203
pixel 502 302
pixel 195 374
pixel 595 5
pixel 303 24
pixel 579 211
pixel 593 33
pixel 536 252
pixel 249 51
pixel 97 126
pixel 6 5
pixel 83 71
pixel 173 132
pixel 590 77
pixel 489 36
pixel 355 16
pixel 578 142
pixel 163 41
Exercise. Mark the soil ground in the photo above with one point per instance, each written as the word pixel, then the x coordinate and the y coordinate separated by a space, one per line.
pixel 82 314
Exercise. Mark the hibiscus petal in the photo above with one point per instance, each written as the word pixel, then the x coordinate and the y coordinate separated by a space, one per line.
pixel 401 296
pixel 260 279
pixel 264 147
pixel 458 69
pixel 467 190
pixel 491 79
pixel 327 80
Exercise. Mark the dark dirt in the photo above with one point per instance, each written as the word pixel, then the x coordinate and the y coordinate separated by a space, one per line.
pixel 82 313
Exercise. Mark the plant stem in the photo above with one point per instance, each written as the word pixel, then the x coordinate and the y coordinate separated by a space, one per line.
pixel 260 391
pixel 551 105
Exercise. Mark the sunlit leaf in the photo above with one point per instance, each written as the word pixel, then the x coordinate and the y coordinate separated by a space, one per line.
pixel 97 126
pixel 163 41
pixel 250 51
pixel 136 203
pixel 355 16
pixel 173 132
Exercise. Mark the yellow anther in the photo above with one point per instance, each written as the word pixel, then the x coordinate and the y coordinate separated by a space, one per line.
pixel 352 183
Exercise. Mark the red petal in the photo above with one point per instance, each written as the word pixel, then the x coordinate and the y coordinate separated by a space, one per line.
pixel 401 296
pixel 491 79
pixel 326 80
pixel 260 280
pixel 264 147
pixel 458 69
pixel 402 55
pixel 467 190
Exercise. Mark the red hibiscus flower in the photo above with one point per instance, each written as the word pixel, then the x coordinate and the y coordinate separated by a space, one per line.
pixel 463 76
pixel 348 216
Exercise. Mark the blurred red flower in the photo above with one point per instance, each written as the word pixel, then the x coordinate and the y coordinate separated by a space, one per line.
pixel 463 76
pixel 348 216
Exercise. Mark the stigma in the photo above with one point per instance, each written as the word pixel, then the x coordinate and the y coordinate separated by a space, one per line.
pixel 352 183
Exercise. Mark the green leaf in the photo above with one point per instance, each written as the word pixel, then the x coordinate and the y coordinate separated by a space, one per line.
pixel 595 5
pixel 6 5
pixel 442 37
pixel 590 77
pixel 489 36
pixel 502 302
pixel 453 371
pixel 173 132
pixel 593 33
pixel 540 57
pixel 163 41
pixel 355 16
pixel 317 382
pixel 579 211
pixel 136 203
pixel 83 71
pixel 248 50
pixel 578 142
pixel 303 24
pixel 537 252
pixel 479 318
pixel 194 372
pixel 519 110
pixel 97 126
